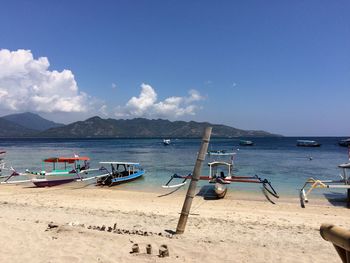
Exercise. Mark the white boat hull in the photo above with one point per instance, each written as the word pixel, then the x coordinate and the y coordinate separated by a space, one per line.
pixel 220 190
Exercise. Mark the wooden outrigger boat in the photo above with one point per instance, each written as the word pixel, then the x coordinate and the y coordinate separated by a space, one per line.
pixel 217 176
pixel 65 170
pixel 311 184
pixel 119 172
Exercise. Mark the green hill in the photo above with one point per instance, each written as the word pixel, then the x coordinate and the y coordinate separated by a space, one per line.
pixel 96 127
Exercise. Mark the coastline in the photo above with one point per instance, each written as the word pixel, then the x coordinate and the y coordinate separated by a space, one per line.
pixel 239 228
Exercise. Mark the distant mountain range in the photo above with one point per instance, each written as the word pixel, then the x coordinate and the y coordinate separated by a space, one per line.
pixel 31 121
pixel 11 129
pixel 32 125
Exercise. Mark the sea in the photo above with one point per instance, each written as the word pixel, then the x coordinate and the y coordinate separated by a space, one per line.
pixel 277 159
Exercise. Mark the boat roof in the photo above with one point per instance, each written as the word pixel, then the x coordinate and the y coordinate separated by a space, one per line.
pixel 66 159
pixel 221 154
pixel 310 141
pixel 218 163
pixel 127 163
pixel 1 152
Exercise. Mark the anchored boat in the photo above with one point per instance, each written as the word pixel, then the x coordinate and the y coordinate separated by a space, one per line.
pixel 221 174
pixel 344 143
pixel 119 172
pixel 246 143
pixel 64 170
pixel 166 141
pixel 308 143
pixel 311 184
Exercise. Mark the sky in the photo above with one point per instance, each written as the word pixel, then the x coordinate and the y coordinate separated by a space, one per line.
pixel 278 66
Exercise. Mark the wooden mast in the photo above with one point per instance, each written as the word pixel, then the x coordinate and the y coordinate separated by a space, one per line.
pixel 195 177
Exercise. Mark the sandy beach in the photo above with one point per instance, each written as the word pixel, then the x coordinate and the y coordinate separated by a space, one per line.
pixel 234 229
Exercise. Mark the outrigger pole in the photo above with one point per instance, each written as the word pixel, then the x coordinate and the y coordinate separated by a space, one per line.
pixel 193 184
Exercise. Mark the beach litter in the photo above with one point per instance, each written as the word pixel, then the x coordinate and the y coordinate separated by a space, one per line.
pixel 149 249
pixel 135 249
pixel 163 251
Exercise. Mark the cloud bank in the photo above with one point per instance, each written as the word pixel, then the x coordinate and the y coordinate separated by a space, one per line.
pixel 26 84
pixel 146 105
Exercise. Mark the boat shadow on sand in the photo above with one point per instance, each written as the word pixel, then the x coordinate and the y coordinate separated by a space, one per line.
pixel 208 192
pixel 336 199
pixel 70 186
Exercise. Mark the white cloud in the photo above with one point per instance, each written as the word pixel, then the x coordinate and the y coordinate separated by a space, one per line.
pixel 114 86
pixel 194 95
pixel 146 105
pixel 138 106
pixel 26 84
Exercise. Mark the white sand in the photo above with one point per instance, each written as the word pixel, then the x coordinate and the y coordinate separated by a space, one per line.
pixel 228 230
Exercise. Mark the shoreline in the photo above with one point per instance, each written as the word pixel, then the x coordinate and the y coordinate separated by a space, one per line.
pixel 317 198
pixel 229 230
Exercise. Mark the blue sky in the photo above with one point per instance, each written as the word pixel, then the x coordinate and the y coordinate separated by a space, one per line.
pixel 279 66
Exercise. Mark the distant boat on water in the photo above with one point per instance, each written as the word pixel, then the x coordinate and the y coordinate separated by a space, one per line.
pixel 307 143
pixel 246 143
pixel 166 141
pixel 344 143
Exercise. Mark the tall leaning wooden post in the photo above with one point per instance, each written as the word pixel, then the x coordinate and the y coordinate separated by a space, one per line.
pixel 195 177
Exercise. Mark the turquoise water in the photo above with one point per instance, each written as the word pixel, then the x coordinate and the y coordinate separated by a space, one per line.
pixel 277 159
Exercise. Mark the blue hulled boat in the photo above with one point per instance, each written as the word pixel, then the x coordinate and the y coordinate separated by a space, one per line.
pixel 120 172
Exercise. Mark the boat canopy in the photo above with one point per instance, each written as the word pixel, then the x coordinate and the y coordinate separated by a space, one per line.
pixel 217 163
pixel 66 159
pixel 220 153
